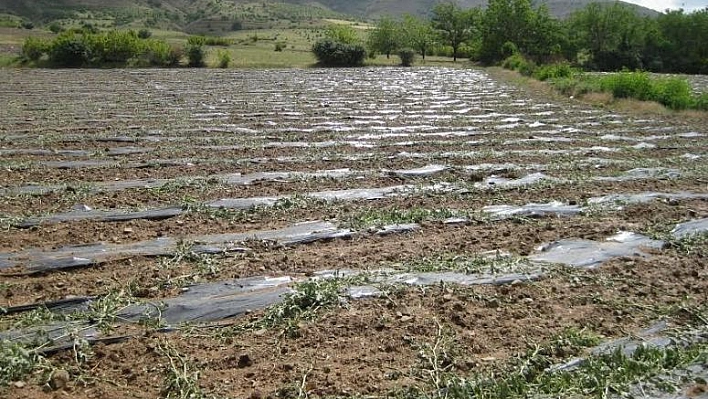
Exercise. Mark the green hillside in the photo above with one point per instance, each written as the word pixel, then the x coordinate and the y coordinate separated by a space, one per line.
pixel 223 15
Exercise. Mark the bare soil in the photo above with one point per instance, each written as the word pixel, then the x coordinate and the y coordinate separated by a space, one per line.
pixel 371 346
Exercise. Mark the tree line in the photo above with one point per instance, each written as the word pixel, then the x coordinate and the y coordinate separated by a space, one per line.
pixel 604 37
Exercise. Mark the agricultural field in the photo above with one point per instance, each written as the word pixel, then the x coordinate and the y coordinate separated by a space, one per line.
pixel 425 232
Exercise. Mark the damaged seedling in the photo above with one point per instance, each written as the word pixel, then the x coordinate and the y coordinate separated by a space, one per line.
pixel 437 359
pixel 303 303
pixel 492 263
pixel 535 373
pixel 16 362
pixel 375 217
pixel 181 378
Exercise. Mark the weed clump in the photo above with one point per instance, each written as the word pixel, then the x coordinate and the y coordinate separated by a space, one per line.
pixel 15 362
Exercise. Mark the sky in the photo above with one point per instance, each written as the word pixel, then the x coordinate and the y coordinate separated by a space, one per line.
pixel 662 5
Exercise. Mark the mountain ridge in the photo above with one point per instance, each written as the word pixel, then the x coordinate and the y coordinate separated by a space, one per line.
pixel 183 12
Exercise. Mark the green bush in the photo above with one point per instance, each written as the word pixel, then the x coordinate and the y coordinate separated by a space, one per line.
pixel 700 102
pixel 338 54
pixel 70 50
pixel 517 62
pixel 34 48
pixel 158 53
pixel 114 48
pixel 637 85
pixel 195 55
pixel 54 27
pixel 554 71
pixel 209 41
pixel 224 58
pixel 674 93
pixel 280 46
pixel 144 34
pixel 578 84
pixel 407 56
pixel 508 49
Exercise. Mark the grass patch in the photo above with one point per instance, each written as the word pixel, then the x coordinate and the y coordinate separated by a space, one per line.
pixel 671 92
pixel 181 379
pixel 306 300
pixel 491 264
pixel 375 217
pixel 598 376
pixel 15 362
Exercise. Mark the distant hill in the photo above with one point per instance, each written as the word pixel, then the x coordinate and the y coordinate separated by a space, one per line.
pixel 191 15
pixel 374 8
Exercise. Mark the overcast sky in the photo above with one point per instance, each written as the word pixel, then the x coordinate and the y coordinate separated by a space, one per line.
pixel 661 5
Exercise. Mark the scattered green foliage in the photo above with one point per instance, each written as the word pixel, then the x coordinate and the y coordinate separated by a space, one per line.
pixel 376 217
pixel 15 362
pixel 308 297
pixel 181 380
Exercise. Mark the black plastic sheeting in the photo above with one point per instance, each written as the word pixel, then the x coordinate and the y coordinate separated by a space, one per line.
pixel 82 212
pixel 230 178
pixel 37 260
pixel 212 302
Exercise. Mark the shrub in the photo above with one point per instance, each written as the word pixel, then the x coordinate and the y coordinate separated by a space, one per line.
pixel 34 48
pixel 195 55
pixel 158 53
pixel 333 53
pixel 209 41
pixel 517 62
pixel 508 49
pixel 407 56
pixel 700 102
pixel 280 46
pixel 554 71
pixel 27 25
pixel 224 58
pixel 70 50
pixel 674 93
pixel 115 47
pixel 144 34
pixel 54 27
pixel 635 85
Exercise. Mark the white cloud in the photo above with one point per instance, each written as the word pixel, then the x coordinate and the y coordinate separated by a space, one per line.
pixel 662 5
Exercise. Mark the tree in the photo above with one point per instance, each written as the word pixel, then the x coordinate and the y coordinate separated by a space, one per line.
pixel 614 35
pixel 340 47
pixel 386 38
pixel 454 25
pixel 533 31
pixel 342 34
pixel 418 34
pixel 682 45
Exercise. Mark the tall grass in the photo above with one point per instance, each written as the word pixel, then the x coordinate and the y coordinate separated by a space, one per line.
pixel 671 92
